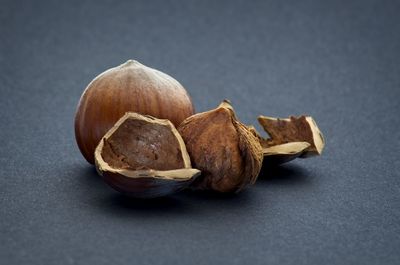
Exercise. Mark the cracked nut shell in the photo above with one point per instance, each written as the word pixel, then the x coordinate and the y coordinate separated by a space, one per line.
pixel 290 138
pixel 145 157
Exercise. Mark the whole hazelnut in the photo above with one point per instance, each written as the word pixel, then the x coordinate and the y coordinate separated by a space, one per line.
pixel 131 86
pixel 226 151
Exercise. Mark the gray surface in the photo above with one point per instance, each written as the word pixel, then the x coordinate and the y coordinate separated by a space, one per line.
pixel 337 61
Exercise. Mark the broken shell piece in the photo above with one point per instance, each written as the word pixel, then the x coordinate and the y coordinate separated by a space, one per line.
pixel 142 156
pixel 289 139
pixel 283 153
pixel 293 129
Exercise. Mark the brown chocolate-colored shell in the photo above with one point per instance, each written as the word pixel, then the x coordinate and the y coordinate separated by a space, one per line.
pixel 289 138
pixel 294 129
pixel 227 153
pixel 145 157
pixel 130 87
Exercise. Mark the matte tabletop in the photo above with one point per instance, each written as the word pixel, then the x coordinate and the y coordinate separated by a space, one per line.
pixel 338 61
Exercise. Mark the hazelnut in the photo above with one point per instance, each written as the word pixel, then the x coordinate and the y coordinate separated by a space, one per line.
pixel 227 153
pixel 289 138
pixel 131 86
pixel 145 157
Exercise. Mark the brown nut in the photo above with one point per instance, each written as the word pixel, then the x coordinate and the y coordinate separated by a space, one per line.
pixel 289 138
pixel 128 87
pixel 225 150
pixel 144 157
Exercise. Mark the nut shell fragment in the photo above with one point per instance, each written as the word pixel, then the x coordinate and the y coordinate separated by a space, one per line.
pixel 144 157
pixel 227 153
pixel 294 129
pixel 290 138
pixel 283 153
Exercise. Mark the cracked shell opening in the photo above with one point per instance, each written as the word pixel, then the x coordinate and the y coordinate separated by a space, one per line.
pixel 144 157
pixel 137 144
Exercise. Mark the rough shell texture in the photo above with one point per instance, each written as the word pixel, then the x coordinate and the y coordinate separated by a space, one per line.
pixel 279 153
pixel 225 150
pixel 145 157
pixel 293 129
pixel 128 87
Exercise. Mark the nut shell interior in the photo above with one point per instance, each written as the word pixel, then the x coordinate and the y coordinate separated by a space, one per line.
pixel 142 156
pixel 294 129
pixel 290 138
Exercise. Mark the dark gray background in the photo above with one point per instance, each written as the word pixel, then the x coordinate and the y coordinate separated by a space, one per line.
pixel 338 61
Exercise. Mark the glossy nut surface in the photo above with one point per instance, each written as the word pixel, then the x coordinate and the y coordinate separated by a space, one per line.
pixel 131 86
